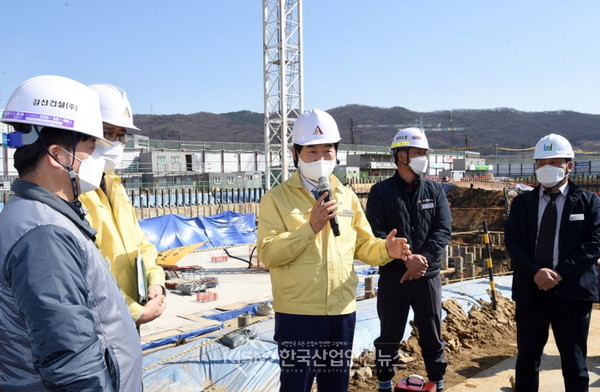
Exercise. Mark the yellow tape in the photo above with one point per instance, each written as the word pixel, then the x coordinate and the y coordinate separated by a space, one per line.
pixel 398 144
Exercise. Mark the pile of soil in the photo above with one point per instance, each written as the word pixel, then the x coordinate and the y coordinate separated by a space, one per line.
pixel 474 342
pixel 470 206
pixel 460 197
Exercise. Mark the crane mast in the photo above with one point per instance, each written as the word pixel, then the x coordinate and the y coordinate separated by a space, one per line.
pixel 283 85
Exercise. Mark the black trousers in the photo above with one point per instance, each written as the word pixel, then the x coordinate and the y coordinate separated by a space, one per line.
pixel 394 301
pixel 314 346
pixel 570 321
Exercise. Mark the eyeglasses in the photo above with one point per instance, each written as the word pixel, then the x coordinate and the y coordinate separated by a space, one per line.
pixel 122 137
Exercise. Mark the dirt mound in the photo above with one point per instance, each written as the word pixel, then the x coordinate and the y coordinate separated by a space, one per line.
pixel 475 198
pixel 474 342
pixel 470 206
pixel 470 219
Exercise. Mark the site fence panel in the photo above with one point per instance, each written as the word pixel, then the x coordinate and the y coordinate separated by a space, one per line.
pixel 176 197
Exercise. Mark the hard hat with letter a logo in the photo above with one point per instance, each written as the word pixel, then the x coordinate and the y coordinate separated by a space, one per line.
pixel 315 126
pixel 114 105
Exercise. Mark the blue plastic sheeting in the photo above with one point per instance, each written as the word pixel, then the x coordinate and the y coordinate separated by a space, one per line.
pixel 228 315
pixel 185 335
pixel 172 231
pixel 224 229
pixel 253 366
pixel 220 316
pixel 230 228
pixel 465 293
pixel 371 270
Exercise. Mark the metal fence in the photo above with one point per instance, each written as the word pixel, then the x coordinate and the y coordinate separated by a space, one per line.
pixel 163 197
pixel 183 197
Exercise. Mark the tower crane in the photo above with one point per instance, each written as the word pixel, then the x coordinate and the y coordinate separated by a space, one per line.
pixel 283 86
pixel 284 89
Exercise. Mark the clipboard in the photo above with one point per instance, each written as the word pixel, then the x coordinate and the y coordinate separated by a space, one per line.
pixel 142 280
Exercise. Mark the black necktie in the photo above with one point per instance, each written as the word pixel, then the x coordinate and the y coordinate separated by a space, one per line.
pixel 544 247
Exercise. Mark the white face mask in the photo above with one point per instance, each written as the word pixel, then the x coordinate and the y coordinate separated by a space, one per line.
pixel 418 164
pixel 113 154
pixel 90 171
pixel 549 175
pixel 317 169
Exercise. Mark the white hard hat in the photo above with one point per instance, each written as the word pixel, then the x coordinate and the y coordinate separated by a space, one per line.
pixel 57 102
pixel 553 146
pixel 315 126
pixel 114 105
pixel 410 137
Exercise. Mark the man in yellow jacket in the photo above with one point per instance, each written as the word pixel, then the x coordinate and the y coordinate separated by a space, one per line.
pixel 309 242
pixel 109 211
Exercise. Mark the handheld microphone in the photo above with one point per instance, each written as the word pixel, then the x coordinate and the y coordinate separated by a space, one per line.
pixel 325 187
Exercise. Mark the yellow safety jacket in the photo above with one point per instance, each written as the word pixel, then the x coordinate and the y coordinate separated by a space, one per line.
pixel 313 274
pixel 119 237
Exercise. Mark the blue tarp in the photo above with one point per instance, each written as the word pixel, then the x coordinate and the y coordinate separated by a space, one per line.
pixel 224 229
pixel 197 365
pixel 253 366
pixel 184 335
pixel 229 314
pixel 219 316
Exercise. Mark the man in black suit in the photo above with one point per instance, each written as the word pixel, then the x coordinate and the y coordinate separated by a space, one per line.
pixel 553 237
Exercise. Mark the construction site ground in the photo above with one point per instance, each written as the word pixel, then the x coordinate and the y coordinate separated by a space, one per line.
pixel 480 345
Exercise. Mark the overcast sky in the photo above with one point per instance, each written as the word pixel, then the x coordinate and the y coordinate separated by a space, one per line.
pixel 187 56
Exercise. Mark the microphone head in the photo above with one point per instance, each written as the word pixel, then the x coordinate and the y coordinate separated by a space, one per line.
pixel 323 183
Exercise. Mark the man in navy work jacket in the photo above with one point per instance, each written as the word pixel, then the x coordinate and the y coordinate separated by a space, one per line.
pixel 418 208
pixel 553 237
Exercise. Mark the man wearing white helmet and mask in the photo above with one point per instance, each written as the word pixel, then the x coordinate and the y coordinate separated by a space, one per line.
pixel 110 213
pixel 63 322
pixel 311 260
pixel 553 237
pixel 419 209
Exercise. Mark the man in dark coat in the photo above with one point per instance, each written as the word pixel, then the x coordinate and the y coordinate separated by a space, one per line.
pixel 419 209
pixel 553 237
